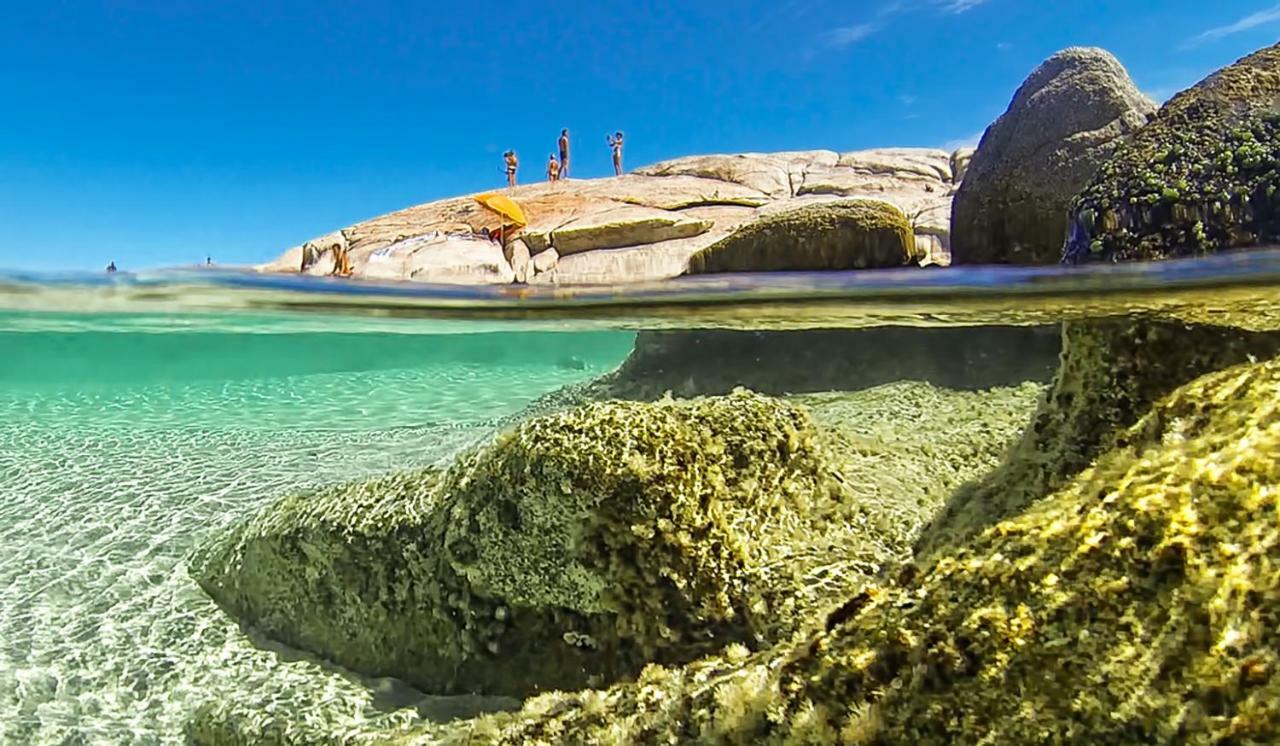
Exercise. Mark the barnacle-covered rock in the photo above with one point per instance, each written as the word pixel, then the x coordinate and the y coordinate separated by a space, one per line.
pixel 1139 603
pixel 850 234
pixel 572 550
pixel 1202 176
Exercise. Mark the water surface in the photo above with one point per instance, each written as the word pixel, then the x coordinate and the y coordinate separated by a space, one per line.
pixel 139 414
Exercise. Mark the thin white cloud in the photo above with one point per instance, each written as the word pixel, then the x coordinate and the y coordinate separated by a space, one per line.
pixel 958 6
pixel 847 35
pixel 907 99
pixel 1250 22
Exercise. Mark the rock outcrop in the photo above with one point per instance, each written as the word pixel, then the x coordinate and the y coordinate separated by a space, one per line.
pixel 570 552
pixel 1066 119
pixel 1125 607
pixel 1204 175
pixel 853 234
pixel 903 447
pixel 798 362
pixel 642 226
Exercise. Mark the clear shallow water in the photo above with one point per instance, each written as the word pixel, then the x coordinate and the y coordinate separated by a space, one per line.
pixel 140 414
pixel 119 451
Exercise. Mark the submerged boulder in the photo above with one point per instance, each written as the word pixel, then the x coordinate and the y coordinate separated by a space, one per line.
pixel 1203 175
pixel 1126 607
pixel 571 551
pixel 850 234
pixel 716 361
pixel 901 449
pixel 1068 117
pixel 1111 374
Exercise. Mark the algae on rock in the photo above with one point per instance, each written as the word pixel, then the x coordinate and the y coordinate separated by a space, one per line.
pixel 850 234
pixel 572 550
pixel 1139 603
pixel 715 361
pixel 1112 372
pixel 897 450
pixel 1203 176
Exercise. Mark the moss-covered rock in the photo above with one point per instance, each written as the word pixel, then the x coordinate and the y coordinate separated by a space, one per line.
pixel 1139 603
pixel 1112 372
pixel 1067 118
pixel 851 234
pixel 899 450
pixel 1203 176
pixel 573 550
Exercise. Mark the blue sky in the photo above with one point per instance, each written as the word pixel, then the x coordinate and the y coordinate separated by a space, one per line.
pixel 155 133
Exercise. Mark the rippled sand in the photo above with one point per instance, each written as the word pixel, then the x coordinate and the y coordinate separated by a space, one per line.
pixel 103 636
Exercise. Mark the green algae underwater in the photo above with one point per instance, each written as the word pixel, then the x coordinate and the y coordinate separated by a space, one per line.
pixel 995 520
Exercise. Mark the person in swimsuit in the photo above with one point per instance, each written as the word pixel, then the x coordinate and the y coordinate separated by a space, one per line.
pixel 513 163
pixel 553 169
pixel 615 142
pixel 564 154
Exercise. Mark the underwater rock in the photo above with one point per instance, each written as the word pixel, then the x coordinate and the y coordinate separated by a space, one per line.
pixel 1066 119
pixel 1202 176
pixel 571 551
pixel 900 449
pixel 850 234
pixel 711 362
pixel 1112 372
pixel 1136 604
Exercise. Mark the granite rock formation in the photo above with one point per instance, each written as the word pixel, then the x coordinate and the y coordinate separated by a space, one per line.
pixel 642 226
pixel 1066 119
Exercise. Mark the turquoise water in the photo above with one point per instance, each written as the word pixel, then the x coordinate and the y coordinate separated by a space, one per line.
pixel 142 414
pixel 120 450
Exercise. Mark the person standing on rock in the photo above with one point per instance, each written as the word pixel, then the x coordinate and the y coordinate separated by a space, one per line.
pixel 513 164
pixel 564 154
pixel 554 171
pixel 615 142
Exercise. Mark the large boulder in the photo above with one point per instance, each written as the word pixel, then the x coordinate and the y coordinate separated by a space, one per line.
pixel 1112 372
pixel 1136 604
pixel 1203 176
pixel 1067 118
pixel 903 447
pixel 570 552
pixel 851 234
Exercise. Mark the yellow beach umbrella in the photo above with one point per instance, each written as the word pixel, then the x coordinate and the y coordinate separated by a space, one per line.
pixel 504 206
